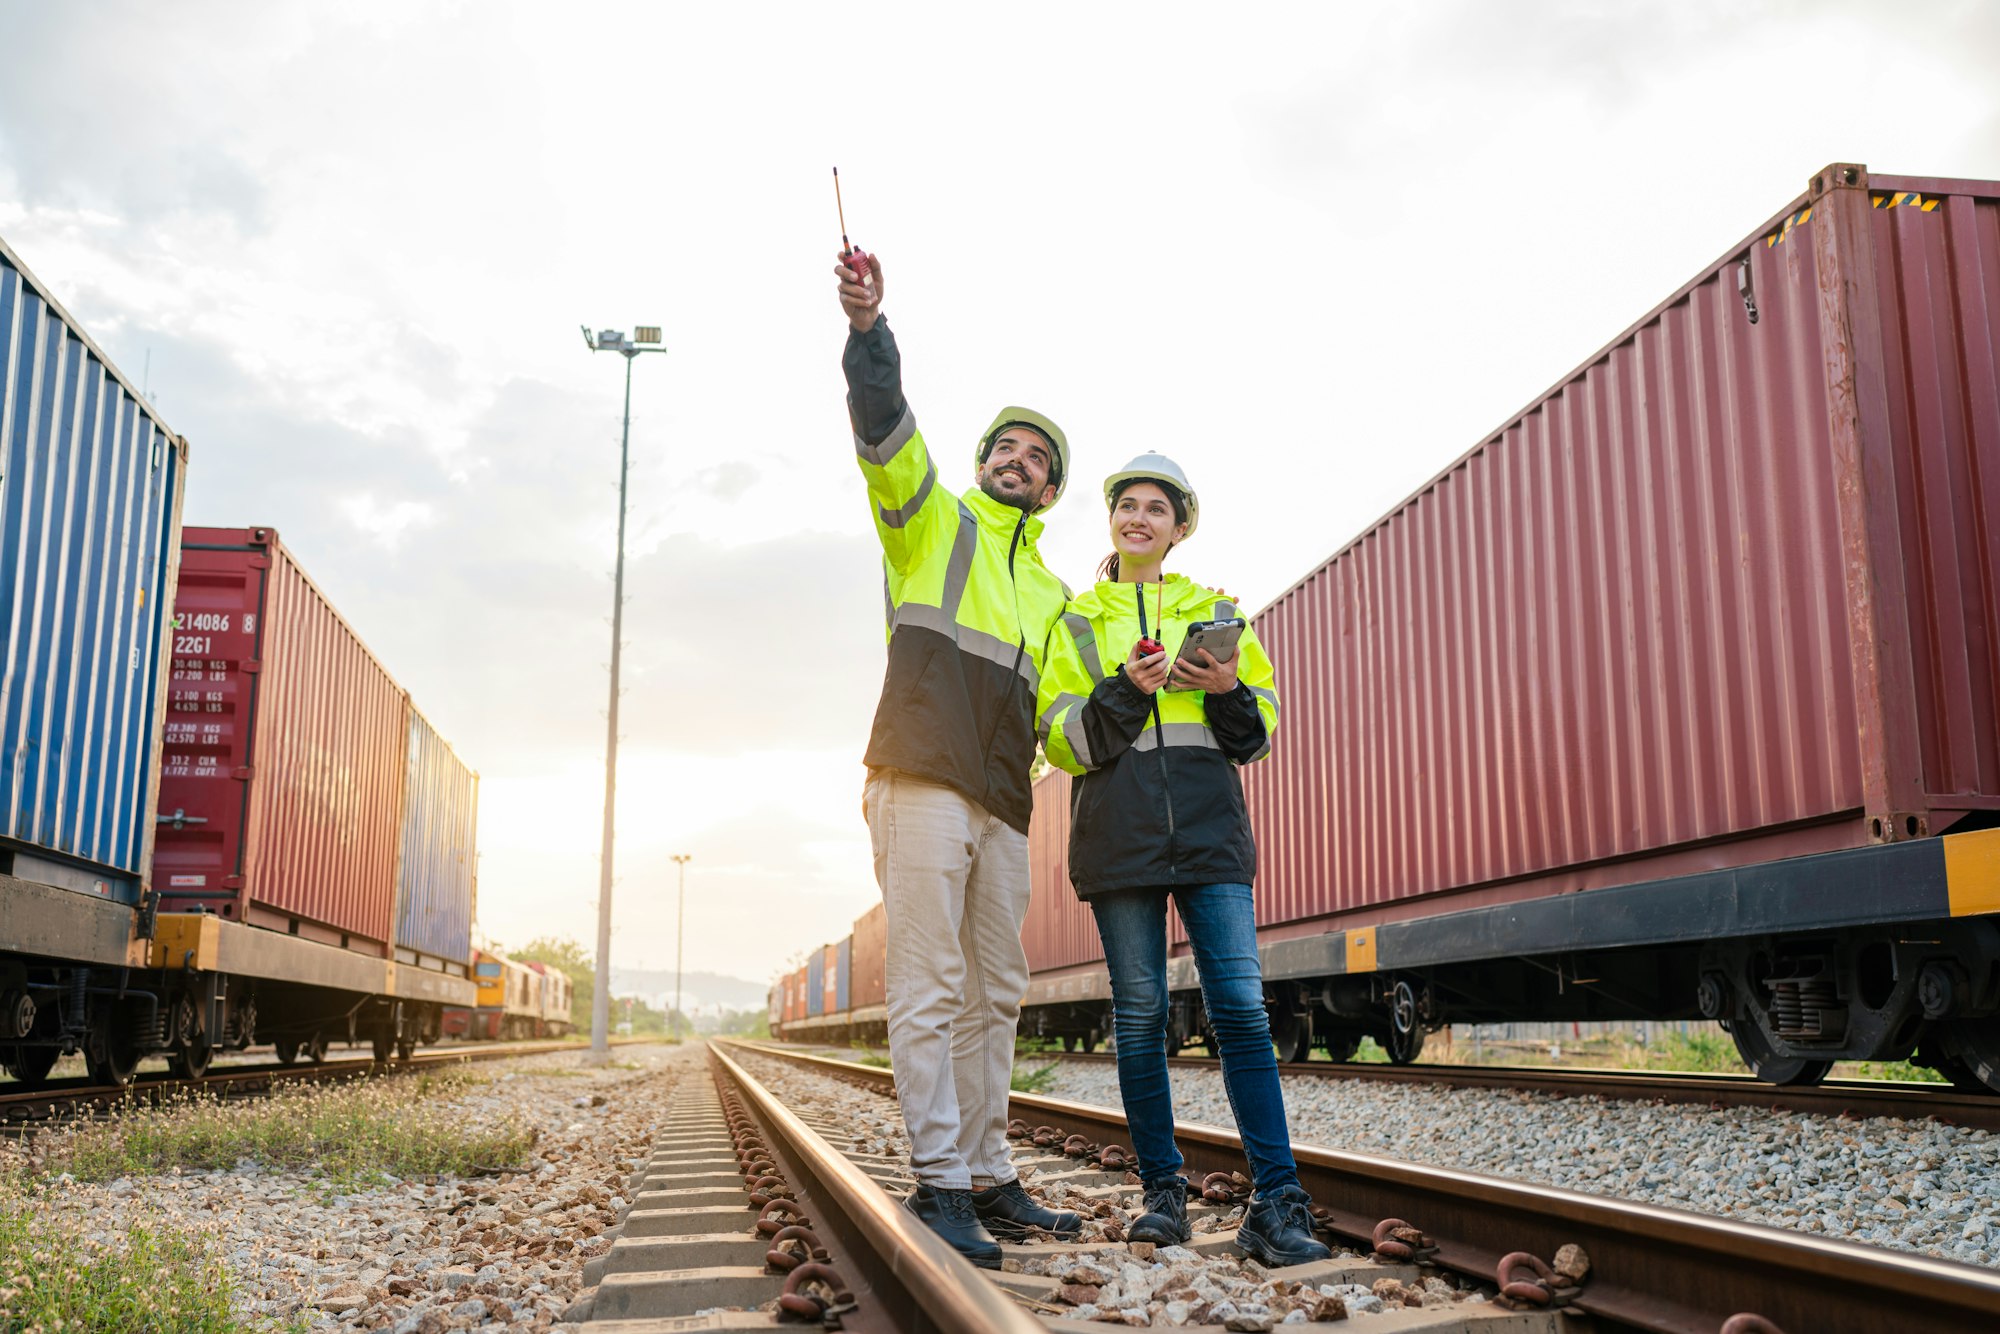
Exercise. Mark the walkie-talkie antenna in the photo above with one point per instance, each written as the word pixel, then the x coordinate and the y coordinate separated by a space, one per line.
pixel 841 209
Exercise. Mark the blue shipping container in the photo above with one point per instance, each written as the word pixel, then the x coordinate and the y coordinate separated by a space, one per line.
pixel 816 983
pixel 90 520
pixel 437 877
pixel 844 960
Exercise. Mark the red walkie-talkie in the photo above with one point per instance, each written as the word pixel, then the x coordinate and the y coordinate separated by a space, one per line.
pixel 852 255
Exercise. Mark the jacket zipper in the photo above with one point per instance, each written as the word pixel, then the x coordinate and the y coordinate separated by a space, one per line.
pixel 1160 733
pixel 1020 647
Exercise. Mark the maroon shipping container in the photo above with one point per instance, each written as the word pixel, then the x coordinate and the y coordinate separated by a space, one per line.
pixel 286 747
pixel 1060 930
pixel 869 986
pixel 1728 593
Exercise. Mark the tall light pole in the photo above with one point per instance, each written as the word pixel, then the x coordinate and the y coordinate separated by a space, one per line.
pixel 681 859
pixel 646 339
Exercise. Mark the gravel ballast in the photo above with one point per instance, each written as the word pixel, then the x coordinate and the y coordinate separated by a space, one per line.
pixel 1912 1185
pixel 499 1251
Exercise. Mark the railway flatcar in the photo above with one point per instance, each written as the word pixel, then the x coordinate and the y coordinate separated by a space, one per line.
pixel 179 875
pixel 1677 696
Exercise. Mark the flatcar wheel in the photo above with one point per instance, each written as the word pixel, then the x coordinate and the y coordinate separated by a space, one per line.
pixel 384 1044
pixel 1975 1043
pixel 1406 1028
pixel 1767 1065
pixel 191 1061
pixel 1956 1072
pixel 406 1048
pixel 1341 1044
pixel 315 1048
pixel 286 1050
pixel 1292 1032
pixel 31 1065
pixel 110 1058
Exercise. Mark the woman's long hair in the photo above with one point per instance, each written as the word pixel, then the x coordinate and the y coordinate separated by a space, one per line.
pixel 1109 569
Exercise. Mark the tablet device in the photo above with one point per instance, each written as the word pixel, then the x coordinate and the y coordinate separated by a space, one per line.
pixel 1218 637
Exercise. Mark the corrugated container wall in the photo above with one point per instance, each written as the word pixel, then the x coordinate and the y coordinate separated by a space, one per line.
pixel 437 875
pixel 1060 931
pixel 1727 593
pixel 799 983
pixel 816 982
pixel 843 990
pixel 871 951
pixel 289 739
pixel 90 513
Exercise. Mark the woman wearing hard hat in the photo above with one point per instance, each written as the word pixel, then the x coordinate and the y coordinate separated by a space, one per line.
pixel 1158 813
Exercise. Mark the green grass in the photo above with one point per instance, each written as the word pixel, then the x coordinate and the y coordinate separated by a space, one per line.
pixel 1689 1053
pixel 1903 1070
pixel 1037 1080
pixel 58 1272
pixel 350 1134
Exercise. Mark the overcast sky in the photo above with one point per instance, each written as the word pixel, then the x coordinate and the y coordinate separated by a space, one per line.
pixel 1314 252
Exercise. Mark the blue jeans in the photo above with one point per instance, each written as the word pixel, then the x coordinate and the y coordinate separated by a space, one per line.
pixel 1222 927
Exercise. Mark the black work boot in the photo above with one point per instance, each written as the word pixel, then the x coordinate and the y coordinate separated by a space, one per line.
pixel 1165 1220
pixel 949 1214
pixel 1011 1214
pixel 1278 1230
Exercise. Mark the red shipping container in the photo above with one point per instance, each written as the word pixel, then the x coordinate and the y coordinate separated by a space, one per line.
pixel 286 747
pixel 1729 592
pixel 869 986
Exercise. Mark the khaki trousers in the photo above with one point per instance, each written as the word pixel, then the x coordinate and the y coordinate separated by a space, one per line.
pixel 955 881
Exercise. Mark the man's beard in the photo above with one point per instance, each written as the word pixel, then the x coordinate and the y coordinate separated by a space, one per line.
pixel 990 484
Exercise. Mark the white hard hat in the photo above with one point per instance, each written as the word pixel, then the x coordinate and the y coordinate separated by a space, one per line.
pixel 1155 468
pixel 1059 465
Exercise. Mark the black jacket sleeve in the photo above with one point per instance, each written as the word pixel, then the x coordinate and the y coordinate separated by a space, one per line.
pixel 1113 717
pixel 1238 726
pixel 874 370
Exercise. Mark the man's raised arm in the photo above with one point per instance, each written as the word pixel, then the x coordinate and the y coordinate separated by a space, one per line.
pixel 873 366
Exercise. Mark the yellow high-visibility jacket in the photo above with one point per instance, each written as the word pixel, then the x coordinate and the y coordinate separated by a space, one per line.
pixel 1158 800
pixel 970 607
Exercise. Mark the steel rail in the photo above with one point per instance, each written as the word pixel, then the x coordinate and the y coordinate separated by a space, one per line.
pixel 1665 1271
pixel 1835 1097
pixel 44 1102
pixel 906 1277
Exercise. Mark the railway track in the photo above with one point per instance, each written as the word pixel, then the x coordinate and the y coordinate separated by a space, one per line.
pixel 1835 1097
pixel 688 1246
pixel 69 1096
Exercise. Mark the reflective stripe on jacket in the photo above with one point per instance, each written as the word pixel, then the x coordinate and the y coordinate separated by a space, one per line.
pixel 970 607
pixel 1158 800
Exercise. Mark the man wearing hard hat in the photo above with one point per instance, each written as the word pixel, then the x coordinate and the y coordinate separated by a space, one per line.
pixel 970 606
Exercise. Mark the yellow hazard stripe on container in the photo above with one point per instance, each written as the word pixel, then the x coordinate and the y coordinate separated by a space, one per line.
pixel 1799 219
pixel 1972 872
pixel 1904 199
pixel 1361 950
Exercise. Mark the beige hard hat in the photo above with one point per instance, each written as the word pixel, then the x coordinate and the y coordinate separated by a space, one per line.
pixel 1155 468
pixel 1059 469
